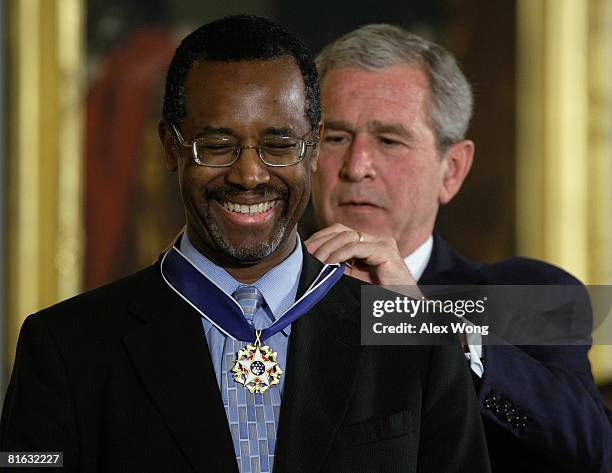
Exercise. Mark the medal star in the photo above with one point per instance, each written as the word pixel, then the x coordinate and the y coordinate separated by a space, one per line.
pixel 257 367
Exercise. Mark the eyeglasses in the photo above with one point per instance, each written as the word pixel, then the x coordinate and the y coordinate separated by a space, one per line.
pixel 218 152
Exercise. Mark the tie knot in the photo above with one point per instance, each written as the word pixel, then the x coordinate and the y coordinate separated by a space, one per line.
pixel 250 299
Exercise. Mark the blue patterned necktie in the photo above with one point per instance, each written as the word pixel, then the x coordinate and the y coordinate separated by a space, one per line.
pixel 252 417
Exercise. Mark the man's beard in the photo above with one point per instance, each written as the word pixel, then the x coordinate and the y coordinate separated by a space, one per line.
pixel 255 252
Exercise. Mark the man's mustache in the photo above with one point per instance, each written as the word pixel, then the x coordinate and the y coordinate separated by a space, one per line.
pixel 263 192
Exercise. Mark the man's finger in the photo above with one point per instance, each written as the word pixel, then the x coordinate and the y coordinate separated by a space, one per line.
pixel 316 240
pixel 335 228
pixel 333 244
pixel 369 253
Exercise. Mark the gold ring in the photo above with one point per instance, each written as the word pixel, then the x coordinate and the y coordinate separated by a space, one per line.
pixel 360 235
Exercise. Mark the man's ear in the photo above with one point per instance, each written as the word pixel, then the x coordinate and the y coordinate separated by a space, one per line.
pixel 458 161
pixel 315 153
pixel 165 135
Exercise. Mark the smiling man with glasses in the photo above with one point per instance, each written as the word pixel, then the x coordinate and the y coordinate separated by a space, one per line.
pixel 237 351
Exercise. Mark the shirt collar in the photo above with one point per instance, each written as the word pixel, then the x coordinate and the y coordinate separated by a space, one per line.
pixel 278 286
pixel 418 260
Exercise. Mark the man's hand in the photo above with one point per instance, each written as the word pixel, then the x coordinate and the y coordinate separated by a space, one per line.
pixel 375 259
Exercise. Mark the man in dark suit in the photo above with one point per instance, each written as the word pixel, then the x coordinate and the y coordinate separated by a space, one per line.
pixel 396 109
pixel 170 368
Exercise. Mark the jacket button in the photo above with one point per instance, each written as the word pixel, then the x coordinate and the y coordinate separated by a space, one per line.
pixel 502 408
pixel 519 422
pixel 491 400
pixel 511 414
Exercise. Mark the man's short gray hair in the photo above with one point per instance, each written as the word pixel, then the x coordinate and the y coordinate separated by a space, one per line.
pixel 378 46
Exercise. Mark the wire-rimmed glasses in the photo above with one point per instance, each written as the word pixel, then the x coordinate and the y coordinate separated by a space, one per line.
pixel 222 151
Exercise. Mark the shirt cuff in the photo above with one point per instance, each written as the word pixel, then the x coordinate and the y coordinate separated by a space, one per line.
pixel 474 355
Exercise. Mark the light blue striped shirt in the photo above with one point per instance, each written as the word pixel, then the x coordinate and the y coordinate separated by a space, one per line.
pixel 278 286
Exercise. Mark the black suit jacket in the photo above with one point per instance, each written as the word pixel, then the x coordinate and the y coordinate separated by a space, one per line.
pixel 121 380
pixel 567 428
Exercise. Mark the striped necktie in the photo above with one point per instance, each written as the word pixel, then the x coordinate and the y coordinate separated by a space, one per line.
pixel 252 417
pixel 250 299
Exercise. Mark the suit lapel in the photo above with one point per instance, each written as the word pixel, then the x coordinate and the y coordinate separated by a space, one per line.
pixel 170 354
pixel 322 367
pixel 447 267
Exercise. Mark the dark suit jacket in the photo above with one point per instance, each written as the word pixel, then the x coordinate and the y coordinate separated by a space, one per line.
pixel 120 379
pixel 567 427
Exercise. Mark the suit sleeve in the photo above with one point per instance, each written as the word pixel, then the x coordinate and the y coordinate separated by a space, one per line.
pixel 543 397
pixel 551 390
pixel 38 413
pixel 452 435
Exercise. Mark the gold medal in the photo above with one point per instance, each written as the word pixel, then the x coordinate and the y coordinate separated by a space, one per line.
pixel 256 367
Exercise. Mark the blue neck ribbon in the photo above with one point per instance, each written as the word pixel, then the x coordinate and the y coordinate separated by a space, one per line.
pixel 222 310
